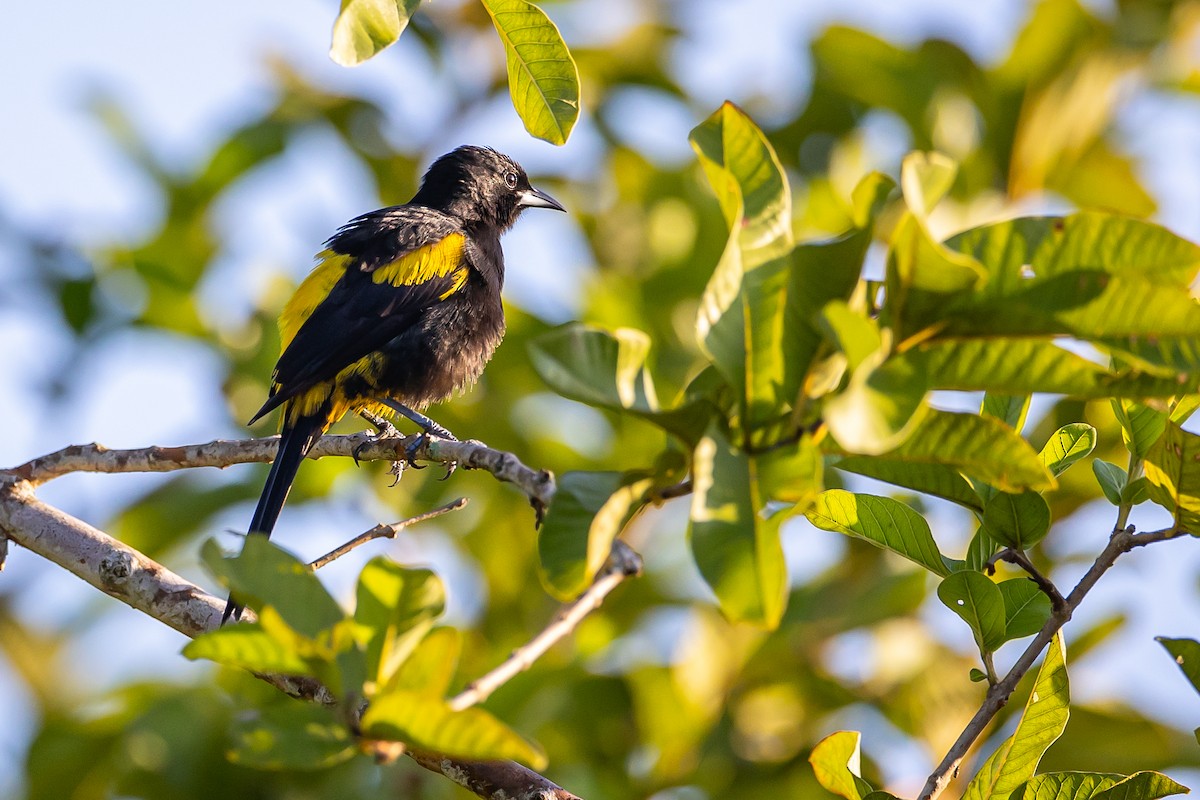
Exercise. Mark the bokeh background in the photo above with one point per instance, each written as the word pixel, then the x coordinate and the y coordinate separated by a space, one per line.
pixel 167 172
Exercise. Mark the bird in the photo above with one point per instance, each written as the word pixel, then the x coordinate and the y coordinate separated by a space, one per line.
pixel 402 309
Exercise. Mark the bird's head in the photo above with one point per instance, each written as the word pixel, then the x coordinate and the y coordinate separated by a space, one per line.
pixel 481 187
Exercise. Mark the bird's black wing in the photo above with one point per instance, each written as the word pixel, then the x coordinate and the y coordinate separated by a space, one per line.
pixel 378 274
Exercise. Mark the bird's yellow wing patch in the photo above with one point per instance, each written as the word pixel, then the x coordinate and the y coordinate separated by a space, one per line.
pixel 442 259
pixel 310 294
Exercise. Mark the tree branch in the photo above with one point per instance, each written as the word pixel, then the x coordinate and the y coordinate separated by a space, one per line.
pixel 538 485
pixel 622 563
pixel 140 582
pixel 384 530
pixel 1121 542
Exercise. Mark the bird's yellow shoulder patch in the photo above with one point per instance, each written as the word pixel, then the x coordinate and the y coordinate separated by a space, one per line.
pixel 438 260
pixel 311 292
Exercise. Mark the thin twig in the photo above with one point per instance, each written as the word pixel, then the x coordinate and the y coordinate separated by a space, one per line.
pixel 1021 559
pixel 681 489
pixel 384 530
pixel 622 563
pixel 538 485
pixel 1121 542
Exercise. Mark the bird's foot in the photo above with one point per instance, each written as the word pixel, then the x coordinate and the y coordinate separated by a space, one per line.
pixel 428 428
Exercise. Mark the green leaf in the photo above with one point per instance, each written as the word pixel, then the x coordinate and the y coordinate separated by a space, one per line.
pixel 1019 366
pixel 542 77
pixel 736 547
pixel 1112 480
pixel 291 736
pixel 925 178
pixel 1173 471
pixel 589 510
pixel 1026 608
pixel 1186 653
pixel 1009 409
pixel 835 762
pixel 427 723
pixel 742 311
pixel 607 370
pixel 979 446
pixel 431 667
pixel 933 479
pixel 880 407
pixel 396 607
pixel 852 333
pixel 1045 717
pixel 265 574
pixel 1141 426
pixel 364 27
pixel 1142 786
pixel 1067 785
pixel 975 598
pixel 883 522
pixel 247 646
pixel 1018 521
pixel 1068 444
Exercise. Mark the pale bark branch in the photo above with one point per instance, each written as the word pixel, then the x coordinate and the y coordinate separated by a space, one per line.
pixel 1121 542
pixel 384 530
pixel 138 581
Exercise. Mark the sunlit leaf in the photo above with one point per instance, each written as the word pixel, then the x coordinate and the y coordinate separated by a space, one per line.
pixel 736 547
pixel 265 574
pixel 974 597
pixel 883 522
pixel 835 762
pixel 427 723
pixel 247 646
pixel 1141 786
pixel 880 407
pixel 542 77
pixel 1068 444
pixel 364 27
pixel 396 607
pixel 430 668
pixel 925 178
pixel 1173 471
pixel 1045 717
pixel 1112 480
pixel 1141 426
pixel 1009 409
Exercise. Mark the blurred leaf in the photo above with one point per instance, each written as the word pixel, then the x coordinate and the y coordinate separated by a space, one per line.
pixel 542 77
pixel 427 723
pixel 1112 480
pixel 880 407
pixel 291 736
pixel 925 179
pixel 835 761
pixel 736 548
pixel 1186 653
pixel 1173 471
pixel 247 646
pixel 396 606
pixel 607 370
pixel 1018 521
pixel 854 334
pixel 1009 409
pixel 364 27
pixel 430 668
pixel 1068 444
pixel 883 522
pixel 974 597
pixel 741 325
pixel 1045 717
pixel 1026 608
pixel 265 574
pixel 589 510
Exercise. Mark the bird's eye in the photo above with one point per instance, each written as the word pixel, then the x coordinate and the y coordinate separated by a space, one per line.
pixel 511 180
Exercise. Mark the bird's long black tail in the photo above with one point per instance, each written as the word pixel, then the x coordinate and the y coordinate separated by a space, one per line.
pixel 295 442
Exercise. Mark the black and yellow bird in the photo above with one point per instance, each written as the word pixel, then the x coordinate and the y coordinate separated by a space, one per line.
pixel 402 310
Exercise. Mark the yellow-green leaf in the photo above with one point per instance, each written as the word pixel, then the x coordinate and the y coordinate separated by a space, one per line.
pixel 542 77
pixel 835 762
pixel 364 27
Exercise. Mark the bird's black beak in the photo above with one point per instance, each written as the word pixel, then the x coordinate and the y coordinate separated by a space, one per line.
pixel 536 198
